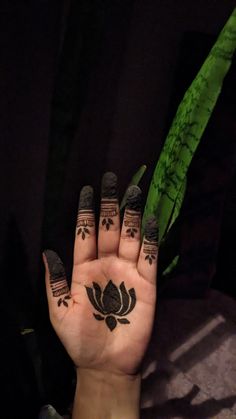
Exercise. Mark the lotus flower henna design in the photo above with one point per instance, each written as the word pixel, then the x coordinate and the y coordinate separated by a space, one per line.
pixel 113 302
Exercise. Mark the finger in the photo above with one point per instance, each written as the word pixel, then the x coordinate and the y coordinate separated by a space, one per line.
pixel 85 237
pixel 130 233
pixel 109 223
pixel 147 263
pixel 58 292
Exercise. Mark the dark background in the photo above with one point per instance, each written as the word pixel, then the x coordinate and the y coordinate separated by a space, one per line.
pixel 89 86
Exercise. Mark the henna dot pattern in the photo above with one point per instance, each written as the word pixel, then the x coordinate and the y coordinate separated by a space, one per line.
pixel 113 303
pixel 57 278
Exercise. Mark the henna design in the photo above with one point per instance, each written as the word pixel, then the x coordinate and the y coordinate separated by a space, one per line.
pixel 131 232
pixel 85 217
pixel 63 301
pixel 151 229
pixel 132 221
pixel 107 212
pixel 112 302
pixel 132 210
pixel 57 278
pixel 150 244
pixel 109 186
pixel 134 197
pixel 150 249
pixel 109 200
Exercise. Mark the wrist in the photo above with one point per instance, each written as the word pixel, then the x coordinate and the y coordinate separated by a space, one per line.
pixel 106 395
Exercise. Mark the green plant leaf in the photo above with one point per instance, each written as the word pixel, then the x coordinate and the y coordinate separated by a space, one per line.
pixel 171 266
pixel 26 331
pixel 134 181
pixel 178 204
pixel 187 128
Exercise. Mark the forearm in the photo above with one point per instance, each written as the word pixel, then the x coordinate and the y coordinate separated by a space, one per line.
pixel 104 395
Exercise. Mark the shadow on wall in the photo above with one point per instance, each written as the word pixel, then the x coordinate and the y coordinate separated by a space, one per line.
pixel 188 370
pixel 182 407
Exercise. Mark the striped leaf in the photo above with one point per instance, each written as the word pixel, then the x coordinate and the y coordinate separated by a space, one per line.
pixel 187 129
pixel 171 266
pixel 178 204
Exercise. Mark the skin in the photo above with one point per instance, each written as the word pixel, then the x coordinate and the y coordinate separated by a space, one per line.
pixel 107 362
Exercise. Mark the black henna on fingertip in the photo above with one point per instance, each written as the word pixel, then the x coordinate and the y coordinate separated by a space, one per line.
pixel 134 198
pixel 57 277
pixel 109 186
pixel 85 216
pixel 55 265
pixel 151 229
pixel 86 198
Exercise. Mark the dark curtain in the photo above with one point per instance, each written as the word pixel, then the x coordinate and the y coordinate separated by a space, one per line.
pixel 89 86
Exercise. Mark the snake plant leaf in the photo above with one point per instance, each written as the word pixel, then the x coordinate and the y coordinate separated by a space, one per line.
pixel 134 181
pixel 178 204
pixel 171 266
pixel 187 128
pixel 26 331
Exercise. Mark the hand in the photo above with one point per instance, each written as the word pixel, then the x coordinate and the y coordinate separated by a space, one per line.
pixel 105 320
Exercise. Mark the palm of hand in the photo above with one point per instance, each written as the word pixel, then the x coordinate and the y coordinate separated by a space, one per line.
pixel 90 342
pixel 105 319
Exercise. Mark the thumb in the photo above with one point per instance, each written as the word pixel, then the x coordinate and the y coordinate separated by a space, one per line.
pixel 58 292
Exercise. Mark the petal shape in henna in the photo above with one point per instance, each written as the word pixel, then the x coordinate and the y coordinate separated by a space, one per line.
pixel 111 298
pixel 123 321
pixel 98 317
pixel 133 300
pixel 92 299
pixel 111 322
pixel 125 299
pixel 98 295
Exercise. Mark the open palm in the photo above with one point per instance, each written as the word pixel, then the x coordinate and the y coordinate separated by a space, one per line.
pixel 105 320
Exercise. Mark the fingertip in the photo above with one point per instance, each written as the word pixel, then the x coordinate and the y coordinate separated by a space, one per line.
pixel 134 198
pixel 86 199
pixel 109 187
pixel 151 231
pixel 44 260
